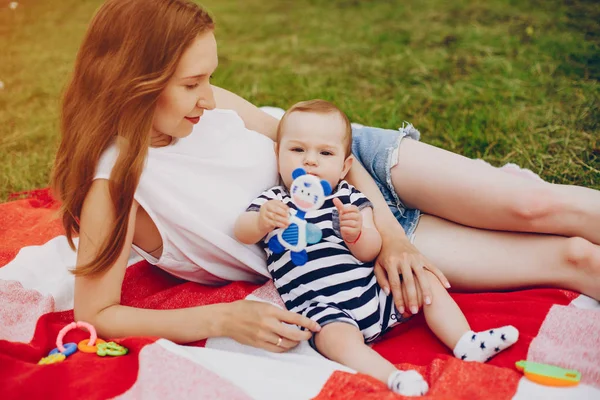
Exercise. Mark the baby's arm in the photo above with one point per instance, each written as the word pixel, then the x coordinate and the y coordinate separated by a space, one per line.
pixel 252 226
pixel 368 245
pixel 358 231
pixel 247 229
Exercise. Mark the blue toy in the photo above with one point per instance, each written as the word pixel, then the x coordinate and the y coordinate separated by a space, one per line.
pixel 70 348
pixel 308 193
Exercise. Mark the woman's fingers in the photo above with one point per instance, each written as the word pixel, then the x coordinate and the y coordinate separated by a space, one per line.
pixel 409 281
pixel 285 343
pixel 404 313
pixel 394 279
pixel 407 314
pixel 297 319
pixel 273 333
pixel 273 348
pixel 388 277
pixel 291 333
pixel 381 277
pixel 438 273
pixel 420 295
pixel 422 284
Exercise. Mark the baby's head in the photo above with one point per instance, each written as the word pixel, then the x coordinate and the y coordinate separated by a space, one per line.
pixel 317 136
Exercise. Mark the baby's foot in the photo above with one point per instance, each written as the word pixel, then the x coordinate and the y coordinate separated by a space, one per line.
pixel 407 383
pixel 482 346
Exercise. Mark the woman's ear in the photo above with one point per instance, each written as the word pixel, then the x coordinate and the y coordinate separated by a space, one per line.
pixel 347 164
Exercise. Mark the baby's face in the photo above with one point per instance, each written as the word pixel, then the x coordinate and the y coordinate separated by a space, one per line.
pixel 315 142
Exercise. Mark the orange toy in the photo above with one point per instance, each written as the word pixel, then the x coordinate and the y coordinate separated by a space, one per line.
pixel 548 375
pixel 84 347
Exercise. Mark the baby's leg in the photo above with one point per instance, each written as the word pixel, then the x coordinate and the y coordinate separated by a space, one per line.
pixel 448 323
pixel 344 343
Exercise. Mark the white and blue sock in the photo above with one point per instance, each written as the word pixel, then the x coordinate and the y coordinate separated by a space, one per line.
pixel 482 346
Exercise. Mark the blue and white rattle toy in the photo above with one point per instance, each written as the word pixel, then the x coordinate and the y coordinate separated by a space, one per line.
pixel 308 193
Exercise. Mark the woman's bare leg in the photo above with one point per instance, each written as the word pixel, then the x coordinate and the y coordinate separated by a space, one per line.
pixel 476 259
pixel 472 193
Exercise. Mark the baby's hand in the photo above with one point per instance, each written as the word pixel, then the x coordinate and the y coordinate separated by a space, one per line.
pixel 350 221
pixel 273 214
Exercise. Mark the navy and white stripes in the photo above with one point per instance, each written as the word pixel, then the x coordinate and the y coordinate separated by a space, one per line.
pixel 333 285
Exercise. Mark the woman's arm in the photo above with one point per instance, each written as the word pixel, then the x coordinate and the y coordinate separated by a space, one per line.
pixel 254 118
pixel 383 217
pixel 98 297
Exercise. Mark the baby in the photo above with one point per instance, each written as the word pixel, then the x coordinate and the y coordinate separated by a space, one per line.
pixel 336 286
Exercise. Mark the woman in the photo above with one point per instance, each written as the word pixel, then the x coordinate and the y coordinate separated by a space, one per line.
pixel 146 161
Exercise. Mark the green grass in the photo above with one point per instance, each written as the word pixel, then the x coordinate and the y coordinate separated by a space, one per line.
pixel 502 80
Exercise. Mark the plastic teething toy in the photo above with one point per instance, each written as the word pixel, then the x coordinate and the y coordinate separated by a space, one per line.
pixel 73 325
pixel 84 346
pixel 91 345
pixel 111 349
pixel 52 359
pixel 548 375
pixel 308 193
pixel 70 348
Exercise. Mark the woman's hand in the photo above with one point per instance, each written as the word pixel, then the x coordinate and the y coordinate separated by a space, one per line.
pixel 399 256
pixel 260 324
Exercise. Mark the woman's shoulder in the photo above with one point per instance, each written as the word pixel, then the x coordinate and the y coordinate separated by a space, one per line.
pixel 230 119
pixel 222 115
pixel 98 209
pixel 98 196
pixel 106 162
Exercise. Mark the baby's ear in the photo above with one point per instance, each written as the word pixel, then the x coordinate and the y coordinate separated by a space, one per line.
pixel 347 165
pixel 326 187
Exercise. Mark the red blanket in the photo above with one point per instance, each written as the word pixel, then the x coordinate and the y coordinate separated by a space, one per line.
pixel 33 311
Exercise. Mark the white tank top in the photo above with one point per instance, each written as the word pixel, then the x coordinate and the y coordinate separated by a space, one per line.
pixel 194 190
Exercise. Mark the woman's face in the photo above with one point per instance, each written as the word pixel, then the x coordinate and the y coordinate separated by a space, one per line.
pixel 188 92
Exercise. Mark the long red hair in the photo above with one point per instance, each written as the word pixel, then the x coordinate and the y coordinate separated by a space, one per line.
pixel 130 51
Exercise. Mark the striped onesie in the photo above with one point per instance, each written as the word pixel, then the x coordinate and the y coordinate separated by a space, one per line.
pixel 333 286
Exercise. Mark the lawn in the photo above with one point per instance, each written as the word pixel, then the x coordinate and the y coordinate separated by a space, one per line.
pixel 506 81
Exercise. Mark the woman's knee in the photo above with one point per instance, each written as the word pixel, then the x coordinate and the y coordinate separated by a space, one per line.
pixel 535 205
pixel 580 253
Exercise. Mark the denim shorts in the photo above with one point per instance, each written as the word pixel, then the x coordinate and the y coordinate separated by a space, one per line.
pixel 377 150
